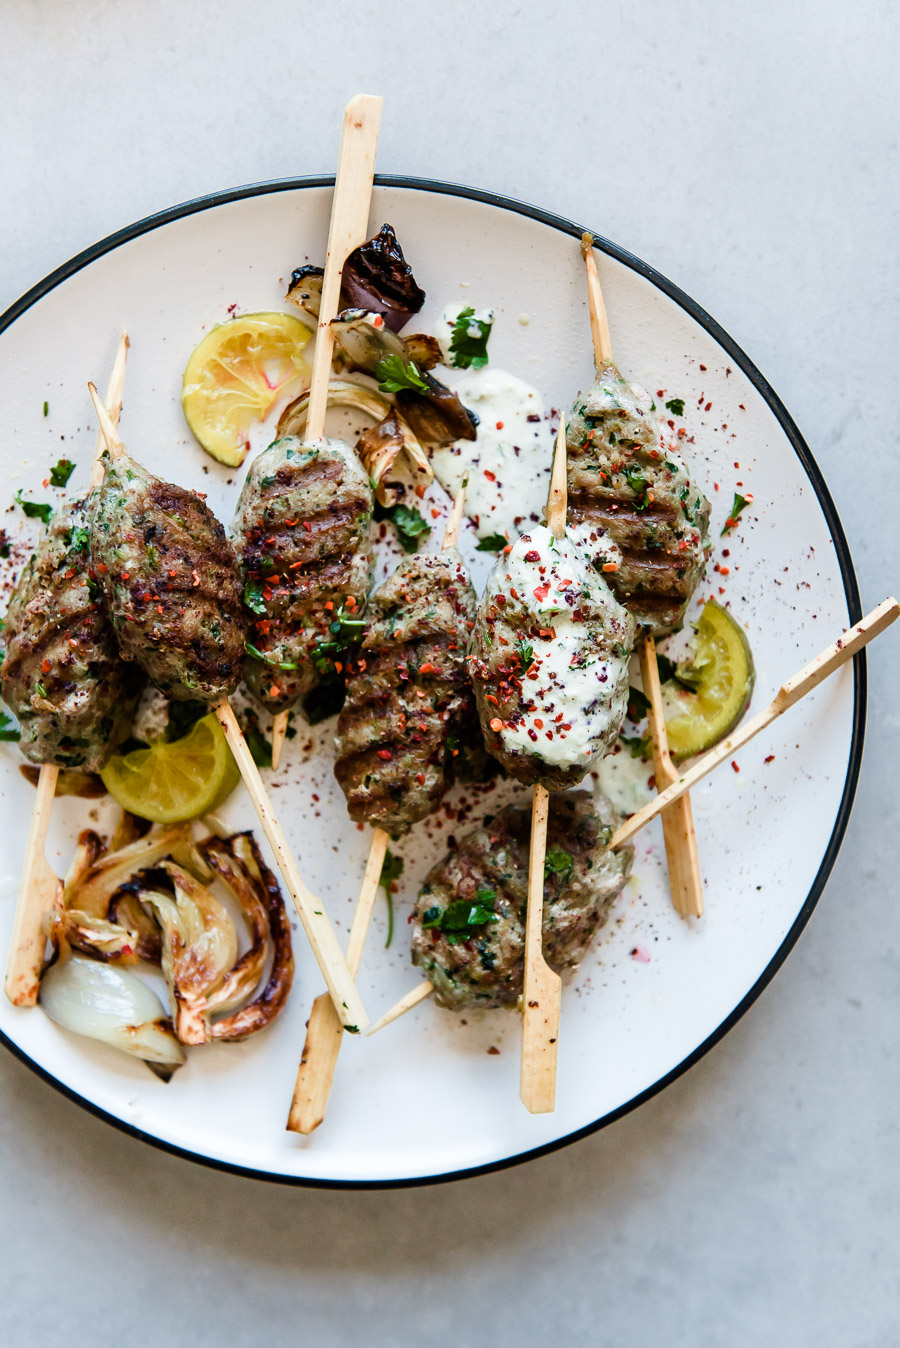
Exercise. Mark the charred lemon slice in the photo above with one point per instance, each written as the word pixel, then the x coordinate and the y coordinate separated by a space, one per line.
pixel 174 780
pixel 721 680
pixel 236 376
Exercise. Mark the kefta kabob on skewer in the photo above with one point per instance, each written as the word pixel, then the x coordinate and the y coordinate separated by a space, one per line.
pixel 455 874
pixel 72 694
pixel 549 663
pixel 408 700
pixel 173 593
pixel 626 483
pixel 317 488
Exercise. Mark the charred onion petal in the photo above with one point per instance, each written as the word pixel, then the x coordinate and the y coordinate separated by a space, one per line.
pixel 341 393
pixel 364 341
pixel 91 889
pixel 424 350
pixel 437 417
pixel 377 276
pixel 239 864
pixel 114 1006
pixel 379 446
pixel 305 289
pixel 199 948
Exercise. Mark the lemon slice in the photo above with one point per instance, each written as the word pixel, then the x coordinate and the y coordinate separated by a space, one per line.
pixel 237 374
pixel 722 675
pixel 171 781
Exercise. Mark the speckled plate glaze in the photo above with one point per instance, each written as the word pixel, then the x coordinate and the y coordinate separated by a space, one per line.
pixel 434 1098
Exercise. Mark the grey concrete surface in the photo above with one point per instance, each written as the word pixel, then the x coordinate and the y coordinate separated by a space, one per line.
pixel 750 152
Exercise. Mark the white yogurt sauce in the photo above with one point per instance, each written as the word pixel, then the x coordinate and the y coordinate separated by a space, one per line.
pixel 577 699
pixel 624 780
pixel 509 463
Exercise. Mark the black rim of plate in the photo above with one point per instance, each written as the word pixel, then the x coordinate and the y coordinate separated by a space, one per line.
pixel 851 591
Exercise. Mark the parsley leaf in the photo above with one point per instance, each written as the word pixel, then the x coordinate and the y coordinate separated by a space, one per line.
pixel 46 409
pixel 638 704
pixel 557 861
pixel 268 659
pixel 79 539
pixel 638 745
pixel 8 735
pixel 391 870
pixel 676 406
pixel 469 339
pixel 525 652
pixel 394 374
pixel 493 543
pixel 253 597
pixel 460 918
pixel 61 471
pixel 639 485
pixel 739 503
pixel 411 527
pixel 35 510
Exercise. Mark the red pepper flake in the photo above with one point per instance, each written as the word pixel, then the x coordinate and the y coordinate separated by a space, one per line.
pixel 541 591
pixel 378 321
pixel 499 425
pixel 307 526
pixel 126 575
pixel 435 514
pixel 539 723
pixel 489 697
pixel 735 766
pixel 361 665
pixel 610 566
pixel 532 555
pixel 496 724
pixel 350 601
pixel 329 605
pixel 45 666
pixel 274 691
pixel 420 491
pixel 640 954
pixel 420 778
pixel 102 568
pixel 73 643
pixel 173 573
pixel 491 477
pixel 702 367
pixel 769 759
pixel 147 596
pixel 428 668
pixel 707 407
pixel 159 608
pixel 385 754
pixel 196 579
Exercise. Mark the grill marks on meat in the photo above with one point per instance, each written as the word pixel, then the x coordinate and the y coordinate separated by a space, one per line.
pixel 303 534
pixel 62 676
pixel 171 583
pixel 622 478
pixel 490 867
pixel 409 694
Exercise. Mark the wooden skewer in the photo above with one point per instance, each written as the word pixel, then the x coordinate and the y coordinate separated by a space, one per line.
pixel 319 931
pixel 542 991
pixel 808 678
pixel 348 229
pixel 40 885
pixel 685 880
pixel 315 1075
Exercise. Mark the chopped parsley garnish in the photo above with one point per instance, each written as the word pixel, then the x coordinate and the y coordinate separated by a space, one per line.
pixel 253 597
pixel 638 703
pixel 557 861
pixel 676 406
pixel 739 503
pixel 391 870
pixel 344 632
pixel 79 539
pixel 95 589
pixel 469 339
pixel 35 510
pixel 639 745
pixel 61 471
pixel 40 690
pixel 493 543
pixel 639 485
pixel 46 409
pixel 525 652
pixel 8 733
pixel 460 918
pixel 394 374
pixel 411 527
pixel 268 659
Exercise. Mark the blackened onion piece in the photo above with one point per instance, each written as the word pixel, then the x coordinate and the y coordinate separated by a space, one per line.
pixel 364 342
pixel 376 276
pixel 437 417
pixel 305 289
pixel 424 350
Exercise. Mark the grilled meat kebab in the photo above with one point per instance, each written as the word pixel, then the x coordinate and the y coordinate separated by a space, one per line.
pixel 62 675
pixel 549 661
pixel 624 478
pixel 302 531
pixel 171 583
pixel 409 694
pixel 469 934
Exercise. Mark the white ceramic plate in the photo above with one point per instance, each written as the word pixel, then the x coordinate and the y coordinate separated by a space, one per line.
pixel 429 1098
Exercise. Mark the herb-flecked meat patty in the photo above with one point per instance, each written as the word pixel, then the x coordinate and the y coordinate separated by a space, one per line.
pixel 171 583
pixel 549 661
pixel 303 535
pixel 625 479
pixel 62 675
pixel 409 694
pixel 469 933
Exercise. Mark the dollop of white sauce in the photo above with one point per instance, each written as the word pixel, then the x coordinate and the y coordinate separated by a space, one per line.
pixel 578 697
pixel 624 780
pixel 508 465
